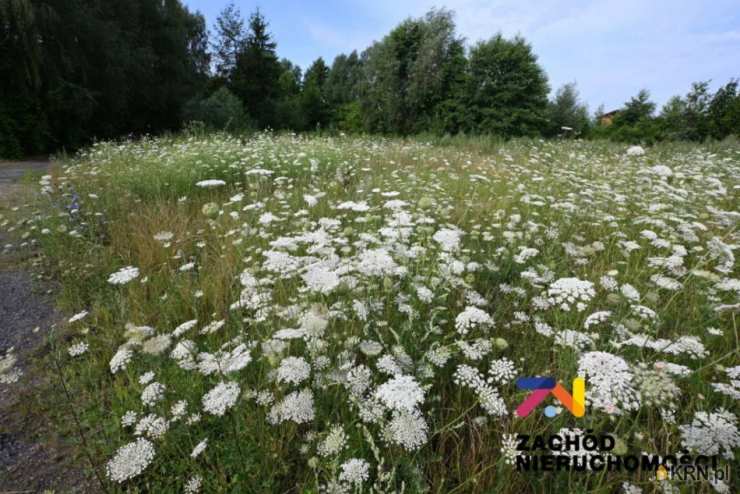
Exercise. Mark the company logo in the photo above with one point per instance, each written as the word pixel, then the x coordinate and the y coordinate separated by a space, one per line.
pixel 543 386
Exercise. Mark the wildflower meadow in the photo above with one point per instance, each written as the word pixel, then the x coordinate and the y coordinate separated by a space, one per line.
pixel 313 314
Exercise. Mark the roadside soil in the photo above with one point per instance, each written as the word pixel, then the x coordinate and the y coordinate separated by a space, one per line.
pixel 32 458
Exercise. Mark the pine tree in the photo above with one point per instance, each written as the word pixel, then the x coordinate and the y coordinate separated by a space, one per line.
pixel 314 101
pixel 566 114
pixel 257 73
pixel 230 39
pixel 635 123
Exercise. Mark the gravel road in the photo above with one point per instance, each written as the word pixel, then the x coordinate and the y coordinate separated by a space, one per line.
pixel 30 460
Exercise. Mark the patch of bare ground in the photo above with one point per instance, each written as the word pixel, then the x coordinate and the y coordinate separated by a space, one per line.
pixel 32 458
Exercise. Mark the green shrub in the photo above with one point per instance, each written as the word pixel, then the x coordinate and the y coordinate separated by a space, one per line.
pixel 219 111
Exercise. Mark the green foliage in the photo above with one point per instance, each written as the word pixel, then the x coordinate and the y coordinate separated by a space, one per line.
pixel 410 73
pixel 76 70
pixel 314 100
pixel 229 42
pixel 257 73
pixel 507 89
pixel 9 145
pixel 634 123
pixel 698 116
pixel 220 111
pixel 638 108
pixel 500 197
pixel 723 114
pixel 289 114
pixel 566 115
pixel 342 84
pixel 349 117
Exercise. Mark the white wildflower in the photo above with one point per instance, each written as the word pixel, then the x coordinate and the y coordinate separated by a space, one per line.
pixel 293 370
pixel 470 318
pixel 354 471
pixel 711 433
pixel 123 275
pixel 400 393
pixel 407 429
pixel 207 184
pixel 121 359
pixel 610 382
pixel 130 460
pixel 78 349
pixel 199 448
pixel 296 407
pixel 152 393
pixel 78 316
pixel 222 397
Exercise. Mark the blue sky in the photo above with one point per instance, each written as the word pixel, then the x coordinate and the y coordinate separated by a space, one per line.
pixel 612 49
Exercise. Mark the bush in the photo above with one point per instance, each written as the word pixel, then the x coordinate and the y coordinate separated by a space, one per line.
pixel 349 118
pixel 220 111
pixel 9 146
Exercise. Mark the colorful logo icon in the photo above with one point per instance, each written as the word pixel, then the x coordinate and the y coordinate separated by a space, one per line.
pixel 543 386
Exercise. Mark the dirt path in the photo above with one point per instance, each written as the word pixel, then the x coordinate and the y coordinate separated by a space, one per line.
pixel 29 460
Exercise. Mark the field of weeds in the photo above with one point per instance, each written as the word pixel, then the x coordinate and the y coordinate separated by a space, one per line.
pixel 345 315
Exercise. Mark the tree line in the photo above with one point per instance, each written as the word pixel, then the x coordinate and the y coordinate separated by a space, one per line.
pixel 79 70
pixel 76 70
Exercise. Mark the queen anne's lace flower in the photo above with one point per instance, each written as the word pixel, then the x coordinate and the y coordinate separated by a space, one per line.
pixel 199 448
pixel 488 396
pixel 333 443
pixel 212 182
pixel 573 339
pixel 152 393
pixel 711 433
pixel 656 387
pixel 509 448
pixel 221 398
pixel 407 429
pixel 193 485
pixel 77 349
pixel 152 425
pixel 400 393
pixel 376 262
pixel 130 460
pixel 566 292
pixel 121 359
pixel 448 239
pixel 502 370
pixel 321 279
pixel 123 275
pixel 78 316
pixel 470 318
pixel 596 318
pixel 184 327
pixel 163 236
pixel 224 362
pixel 354 471
pixel 157 344
pixel 293 370
pixel 610 382
pixel 296 407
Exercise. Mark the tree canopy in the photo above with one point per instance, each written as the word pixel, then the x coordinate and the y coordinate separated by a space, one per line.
pixel 79 70
pixel 82 69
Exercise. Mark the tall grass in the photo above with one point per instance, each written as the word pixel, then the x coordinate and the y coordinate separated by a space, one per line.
pixel 575 202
